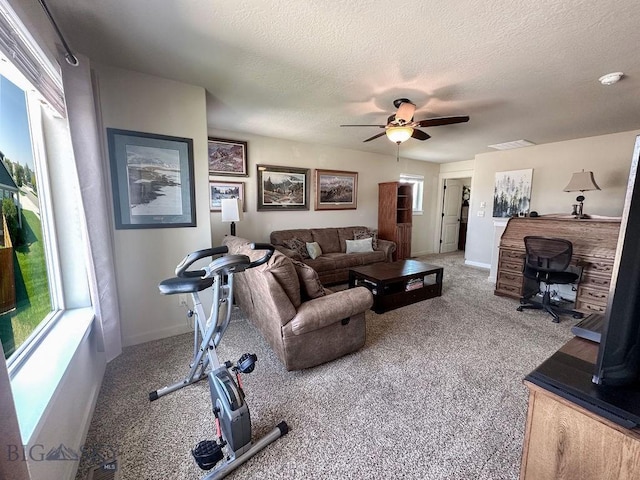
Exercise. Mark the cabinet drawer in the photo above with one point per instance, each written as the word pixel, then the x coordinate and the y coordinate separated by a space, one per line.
pixel 511 254
pixel 592 295
pixel 602 266
pixel 511 265
pixel 587 307
pixel 508 290
pixel 509 278
pixel 595 281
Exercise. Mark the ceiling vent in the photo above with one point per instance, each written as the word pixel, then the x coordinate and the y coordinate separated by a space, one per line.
pixel 511 145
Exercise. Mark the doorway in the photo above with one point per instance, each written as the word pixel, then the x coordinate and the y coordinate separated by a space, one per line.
pixel 454 213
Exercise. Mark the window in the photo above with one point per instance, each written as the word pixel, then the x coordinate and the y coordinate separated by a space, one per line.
pixel 418 190
pixel 25 294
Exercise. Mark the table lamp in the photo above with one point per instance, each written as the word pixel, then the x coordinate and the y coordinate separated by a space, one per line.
pixel 581 182
pixel 231 209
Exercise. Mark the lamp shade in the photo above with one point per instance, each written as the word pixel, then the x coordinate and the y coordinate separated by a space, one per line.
pixel 581 182
pixel 399 134
pixel 231 209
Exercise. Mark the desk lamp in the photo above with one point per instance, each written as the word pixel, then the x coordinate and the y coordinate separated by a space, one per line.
pixel 581 182
pixel 231 212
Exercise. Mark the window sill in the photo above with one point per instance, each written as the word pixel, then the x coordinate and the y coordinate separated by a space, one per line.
pixel 35 380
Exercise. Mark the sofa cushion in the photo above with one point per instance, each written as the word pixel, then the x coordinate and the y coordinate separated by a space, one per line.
pixel 348 233
pixel 284 271
pixel 314 250
pixel 278 237
pixel 298 246
pixel 323 263
pixel 310 285
pixel 368 258
pixel 344 260
pixel 366 233
pixel 359 246
pixel 327 238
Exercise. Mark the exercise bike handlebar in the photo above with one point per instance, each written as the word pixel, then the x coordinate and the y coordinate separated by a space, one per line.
pixel 265 259
pixel 181 269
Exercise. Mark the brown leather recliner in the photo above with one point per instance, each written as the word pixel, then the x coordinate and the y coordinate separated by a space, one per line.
pixel 303 322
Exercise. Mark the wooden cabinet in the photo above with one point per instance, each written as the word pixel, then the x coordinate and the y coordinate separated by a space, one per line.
pixel 565 441
pixel 594 248
pixel 395 214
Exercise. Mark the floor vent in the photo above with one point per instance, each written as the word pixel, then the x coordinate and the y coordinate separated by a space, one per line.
pixel 106 471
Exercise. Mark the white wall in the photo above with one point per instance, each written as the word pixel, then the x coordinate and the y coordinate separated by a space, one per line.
pixel 372 169
pixel 144 103
pixel 608 156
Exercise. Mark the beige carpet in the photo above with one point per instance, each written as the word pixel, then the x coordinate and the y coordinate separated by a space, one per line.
pixel 436 393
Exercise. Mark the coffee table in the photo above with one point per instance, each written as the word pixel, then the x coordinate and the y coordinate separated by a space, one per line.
pixel 396 284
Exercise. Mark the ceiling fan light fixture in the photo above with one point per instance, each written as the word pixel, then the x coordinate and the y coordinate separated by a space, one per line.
pixel 399 134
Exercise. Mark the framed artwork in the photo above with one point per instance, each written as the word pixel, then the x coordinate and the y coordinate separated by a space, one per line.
pixel 283 188
pixel 512 193
pixel 152 180
pixel 227 157
pixel 336 190
pixel 221 190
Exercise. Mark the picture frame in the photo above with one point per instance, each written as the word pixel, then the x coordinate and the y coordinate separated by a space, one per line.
pixel 227 157
pixel 152 180
pixel 336 190
pixel 222 190
pixel 282 188
pixel 512 193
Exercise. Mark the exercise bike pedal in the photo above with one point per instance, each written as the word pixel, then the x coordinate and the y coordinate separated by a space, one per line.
pixel 247 363
pixel 207 453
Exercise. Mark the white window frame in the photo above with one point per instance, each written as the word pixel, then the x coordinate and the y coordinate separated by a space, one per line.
pixel 418 190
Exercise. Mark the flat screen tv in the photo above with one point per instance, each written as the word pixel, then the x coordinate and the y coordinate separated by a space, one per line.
pixel 618 361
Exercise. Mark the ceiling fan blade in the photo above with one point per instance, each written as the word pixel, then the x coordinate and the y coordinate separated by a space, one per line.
pixel 380 126
pixel 420 135
pixel 435 122
pixel 405 112
pixel 374 137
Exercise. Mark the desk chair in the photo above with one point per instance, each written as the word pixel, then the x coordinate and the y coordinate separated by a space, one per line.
pixel 547 261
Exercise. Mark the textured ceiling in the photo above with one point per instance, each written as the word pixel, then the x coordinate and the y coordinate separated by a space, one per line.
pixel 299 69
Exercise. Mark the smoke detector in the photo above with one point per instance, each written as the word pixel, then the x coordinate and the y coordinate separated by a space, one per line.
pixel 610 78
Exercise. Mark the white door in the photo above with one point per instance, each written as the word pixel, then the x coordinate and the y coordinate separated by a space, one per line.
pixel 451 205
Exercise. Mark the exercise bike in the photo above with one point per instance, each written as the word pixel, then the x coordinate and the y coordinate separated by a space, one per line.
pixel 233 421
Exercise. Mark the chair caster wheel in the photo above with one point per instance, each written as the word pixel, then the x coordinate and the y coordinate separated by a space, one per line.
pixel 519 309
pixel 556 320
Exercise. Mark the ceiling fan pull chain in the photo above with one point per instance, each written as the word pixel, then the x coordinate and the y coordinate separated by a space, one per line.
pixel 398 153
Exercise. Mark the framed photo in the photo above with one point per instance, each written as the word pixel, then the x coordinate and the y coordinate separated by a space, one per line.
pixel 283 188
pixel 512 193
pixel 227 157
pixel 336 190
pixel 152 180
pixel 221 190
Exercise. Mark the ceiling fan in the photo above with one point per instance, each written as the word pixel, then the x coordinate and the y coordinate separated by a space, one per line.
pixel 401 126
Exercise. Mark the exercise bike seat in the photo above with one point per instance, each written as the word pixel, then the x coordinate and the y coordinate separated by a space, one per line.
pixel 171 286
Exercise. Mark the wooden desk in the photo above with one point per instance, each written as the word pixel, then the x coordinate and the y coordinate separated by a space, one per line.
pixel 594 247
pixel 564 441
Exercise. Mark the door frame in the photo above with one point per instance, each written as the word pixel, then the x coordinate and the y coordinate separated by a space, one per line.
pixel 440 201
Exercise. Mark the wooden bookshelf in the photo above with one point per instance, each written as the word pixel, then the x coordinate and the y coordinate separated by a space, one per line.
pixel 395 216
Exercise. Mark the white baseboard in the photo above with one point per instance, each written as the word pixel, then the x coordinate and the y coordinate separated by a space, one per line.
pixel 471 263
pixel 156 335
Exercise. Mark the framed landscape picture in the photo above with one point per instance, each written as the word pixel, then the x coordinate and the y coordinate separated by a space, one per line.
pixel 512 193
pixel 283 188
pixel 152 180
pixel 221 190
pixel 336 190
pixel 227 157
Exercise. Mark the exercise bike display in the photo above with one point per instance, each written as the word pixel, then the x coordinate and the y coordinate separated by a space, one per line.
pixel 232 418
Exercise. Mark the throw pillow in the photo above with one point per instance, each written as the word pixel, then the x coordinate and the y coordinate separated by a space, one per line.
pixel 286 274
pixel 296 245
pixel 309 281
pixel 373 234
pixel 314 250
pixel 359 246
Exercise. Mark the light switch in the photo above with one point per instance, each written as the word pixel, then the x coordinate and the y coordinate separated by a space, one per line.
pixel 483 205
pixel 481 213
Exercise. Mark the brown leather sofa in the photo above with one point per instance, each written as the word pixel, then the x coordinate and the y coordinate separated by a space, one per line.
pixel 304 323
pixel 334 263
